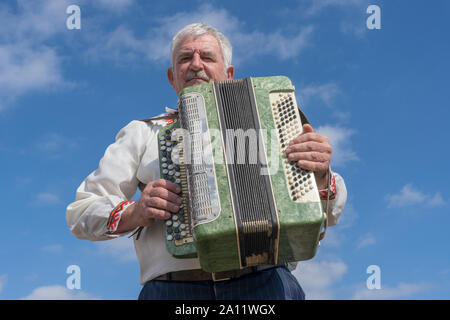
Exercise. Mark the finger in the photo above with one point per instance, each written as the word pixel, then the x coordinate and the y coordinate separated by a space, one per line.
pixel 309 146
pixel 310 136
pixel 312 165
pixel 155 213
pixel 309 156
pixel 307 128
pixel 166 194
pixel 159 203
pixel 168 185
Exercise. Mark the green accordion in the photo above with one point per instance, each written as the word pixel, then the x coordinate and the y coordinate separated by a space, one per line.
pixel 244 203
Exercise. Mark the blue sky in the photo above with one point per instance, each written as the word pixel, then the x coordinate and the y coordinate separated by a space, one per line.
pixel 382 96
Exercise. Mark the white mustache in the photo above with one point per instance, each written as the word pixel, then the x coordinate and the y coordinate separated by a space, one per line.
pixel 199 74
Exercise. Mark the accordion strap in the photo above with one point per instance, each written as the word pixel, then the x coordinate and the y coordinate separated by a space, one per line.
pixel 303 117
pixel 322 234
pixel 169 116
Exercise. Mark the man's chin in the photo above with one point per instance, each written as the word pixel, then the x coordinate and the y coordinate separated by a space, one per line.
pixel 194 82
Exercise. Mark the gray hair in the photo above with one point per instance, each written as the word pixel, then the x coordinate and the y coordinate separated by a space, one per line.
pixel 197 29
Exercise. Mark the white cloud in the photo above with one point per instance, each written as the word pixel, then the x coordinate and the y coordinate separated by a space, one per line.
pixel 401 291
pixel 26 62
pixel 436 200
pixel 121 248
pixel 348 217
pixel 410 196
pixel 51 142
pixel 21 182
pixel 26 69
pixel 351 13
pixel 318 278
pixel 357 29
pixel 340 142
pixel 114 5
pixel 34 20
pixel 122 43
pixel 57 292
pixel 46 198
pixel 54 144
pixel 336 236
pixel 324 92
pixel 249 45
pixel 333 238
pixel 3 280
pixel 317 6
pixel 366 240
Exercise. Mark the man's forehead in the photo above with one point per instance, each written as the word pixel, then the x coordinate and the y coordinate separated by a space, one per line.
pixel 204 42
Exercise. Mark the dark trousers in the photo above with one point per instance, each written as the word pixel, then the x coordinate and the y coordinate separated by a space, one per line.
pixel 272 284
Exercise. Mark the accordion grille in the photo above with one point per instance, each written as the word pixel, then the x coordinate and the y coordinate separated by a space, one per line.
pixel 201 189
pixel 251 191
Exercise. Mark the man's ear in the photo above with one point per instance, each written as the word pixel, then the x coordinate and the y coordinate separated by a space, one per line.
pixel 230 73
pixel 170 77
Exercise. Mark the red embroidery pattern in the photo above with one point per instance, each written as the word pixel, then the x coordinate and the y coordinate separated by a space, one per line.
pixel 115 214
pixel 331 190
pixel 171 120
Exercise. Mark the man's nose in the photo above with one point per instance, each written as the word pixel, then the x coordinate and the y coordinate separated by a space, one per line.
pixel 196 63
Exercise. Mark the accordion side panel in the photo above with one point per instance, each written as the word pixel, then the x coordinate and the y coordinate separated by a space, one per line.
pixel 300 219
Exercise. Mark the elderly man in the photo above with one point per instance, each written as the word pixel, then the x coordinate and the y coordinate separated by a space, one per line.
pixel 103 209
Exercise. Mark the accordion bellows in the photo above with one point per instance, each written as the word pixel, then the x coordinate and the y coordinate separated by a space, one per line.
pixel 244 203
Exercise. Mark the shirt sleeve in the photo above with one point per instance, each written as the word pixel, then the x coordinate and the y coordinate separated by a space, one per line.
pixel 335 206
pixel 113 182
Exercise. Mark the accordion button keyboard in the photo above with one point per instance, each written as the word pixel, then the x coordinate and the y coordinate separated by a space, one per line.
pixel 172 169
pixel 287 120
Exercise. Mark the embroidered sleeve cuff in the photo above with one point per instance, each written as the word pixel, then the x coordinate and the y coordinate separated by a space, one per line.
pixel 116 213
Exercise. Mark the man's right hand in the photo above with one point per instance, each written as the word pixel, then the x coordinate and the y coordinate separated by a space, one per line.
pixel 158 200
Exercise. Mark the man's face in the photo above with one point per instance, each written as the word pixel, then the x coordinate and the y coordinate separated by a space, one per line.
pixel 198 60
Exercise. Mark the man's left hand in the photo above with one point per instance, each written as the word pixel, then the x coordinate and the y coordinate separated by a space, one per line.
pixel 311 151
